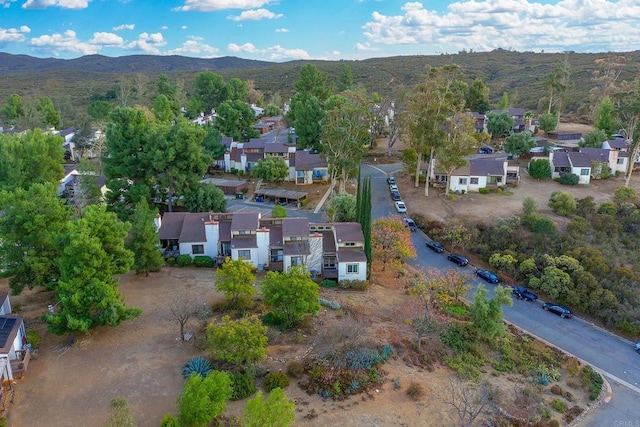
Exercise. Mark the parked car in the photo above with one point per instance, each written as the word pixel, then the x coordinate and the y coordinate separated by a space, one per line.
pixel 395 196
pixel 435 246
pixel 558 309
pixel 487 276
pixel 400 207
pixel 393 187
pixel 391 180
pixel 485 150
pixel 524 293
pixel 637 347
pixel 410 224
pixel 458 259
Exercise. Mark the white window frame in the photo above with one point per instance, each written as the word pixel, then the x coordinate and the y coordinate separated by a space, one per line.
pixel 474 180
pixel 584 172
pixel 297 260
pixel 462 181
pixel 353 268
pixel 244 254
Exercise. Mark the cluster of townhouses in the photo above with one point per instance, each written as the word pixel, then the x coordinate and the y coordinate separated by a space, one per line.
pixel 331 250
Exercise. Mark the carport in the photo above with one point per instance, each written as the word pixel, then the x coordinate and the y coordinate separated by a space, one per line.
pixel 278 196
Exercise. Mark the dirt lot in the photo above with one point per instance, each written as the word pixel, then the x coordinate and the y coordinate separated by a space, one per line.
pixel 141 361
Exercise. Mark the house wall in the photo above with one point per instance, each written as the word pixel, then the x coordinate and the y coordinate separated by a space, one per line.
pixel 361 275
pixel 186 248
pixel 262 240
pixel 613 162
pixel 314 260
pixel 212 233
pixel 254 255
pixel 5 308
pixel 583 179
pixel 18 342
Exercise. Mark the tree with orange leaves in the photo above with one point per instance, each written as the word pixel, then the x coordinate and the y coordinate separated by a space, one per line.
pixel 391 241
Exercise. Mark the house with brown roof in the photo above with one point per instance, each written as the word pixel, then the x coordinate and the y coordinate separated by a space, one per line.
pixel 14 352
pixel 573 162
pixel 477 174
pixel 307 168
pixel 333 250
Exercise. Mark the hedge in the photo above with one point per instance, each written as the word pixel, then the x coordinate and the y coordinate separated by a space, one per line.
pixel 203 261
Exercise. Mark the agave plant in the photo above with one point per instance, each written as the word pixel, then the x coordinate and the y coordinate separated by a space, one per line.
pixel 198 365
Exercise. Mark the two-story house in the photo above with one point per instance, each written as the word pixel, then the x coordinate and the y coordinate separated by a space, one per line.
pixel 477 174
pixel 333 250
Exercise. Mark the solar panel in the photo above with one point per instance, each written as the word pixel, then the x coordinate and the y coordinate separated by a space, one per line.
pixel 6 326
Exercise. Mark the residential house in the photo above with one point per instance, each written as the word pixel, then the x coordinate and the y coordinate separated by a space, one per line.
pixel 332 250
pixel 307 168
pixel 477 174
pixel 479 120
pixel 618 155
pixel 69 186
pixel 304 167
pixel 517 114
pixel 573 162
pixel 604 159
pixel 14 352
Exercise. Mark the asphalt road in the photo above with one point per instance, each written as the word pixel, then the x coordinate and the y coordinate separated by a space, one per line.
pixel 611 355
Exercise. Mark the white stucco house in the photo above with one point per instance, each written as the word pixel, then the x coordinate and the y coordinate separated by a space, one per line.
pixel 332 250
pixel 477 174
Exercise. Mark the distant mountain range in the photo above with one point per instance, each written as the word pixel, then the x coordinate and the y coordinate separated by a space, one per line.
pixel 11 64
pixel 75 82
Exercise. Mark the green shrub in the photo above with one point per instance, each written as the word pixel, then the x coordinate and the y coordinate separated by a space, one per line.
pixel 559 405
pixel 334 305
pixel 328 283
pixel 304 202
pixel 183 260
pixel 243 384
pixel 203 261
pixel 459 337
pixel 591 381
pixel 569 179
pixel 629 328
pixel 169 420
pixel 609 208
pixel 484 190
pixel 415 391
pixel 357 285
pixel 295 369
pixel 275 380
pixel 171 261
pixel 457 310
pixel 33 338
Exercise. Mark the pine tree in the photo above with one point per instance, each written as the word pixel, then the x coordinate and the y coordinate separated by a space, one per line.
pixel 144 243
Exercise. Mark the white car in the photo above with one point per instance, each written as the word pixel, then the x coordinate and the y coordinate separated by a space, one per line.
pixel 393 187
pixel 401 207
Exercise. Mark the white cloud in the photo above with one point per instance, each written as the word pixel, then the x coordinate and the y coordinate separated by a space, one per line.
pixel 364 47
pixel 255 15
pixel 581 25
pixel 63 4
pixel 184 27
pixel 282 30
pixel 107 39
pixel 148 43
pixel 66 42
pixel 214 5
pixel 164 28
pixel 6 3
pixel 124 27
pixel 196 49
pixel 273 53
pixel 13 35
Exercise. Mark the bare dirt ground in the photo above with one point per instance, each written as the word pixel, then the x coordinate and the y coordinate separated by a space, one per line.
pixel 141 361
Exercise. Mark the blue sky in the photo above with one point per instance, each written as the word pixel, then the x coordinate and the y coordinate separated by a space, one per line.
pixel 284 30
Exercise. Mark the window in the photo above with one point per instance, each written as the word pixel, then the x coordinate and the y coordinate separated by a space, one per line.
pixel 474 181
pixel 352 268
pixel 584 172
pixel 197 249
pixel 295 238
pixel 462 181
pixel 244 254
pixel 244 232
pixel 620 161
pixel 296 260
pixel 276 255
pixel 350 244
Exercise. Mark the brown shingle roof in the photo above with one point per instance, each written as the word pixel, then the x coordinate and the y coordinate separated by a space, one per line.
pixel 301 247
pixel 561 159
pixel 224 228
pixel 485 167
pixel 276 148
pixel 245 221
pixel 244 242
pixel 596 154
pixel 304 160
pixel 193 227
pixel 275 235
pixel 255 143
pixel 579 160
pixel 171 225
pixel 328 242
pixel 349 232
pixel 617 143
pixel 298 226
pixel 351 255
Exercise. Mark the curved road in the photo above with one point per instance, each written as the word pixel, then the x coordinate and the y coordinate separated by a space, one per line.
pixel 611 355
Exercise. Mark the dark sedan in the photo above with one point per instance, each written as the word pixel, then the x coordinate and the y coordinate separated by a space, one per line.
pixel 395 196
pixel 458 259
pixel 524 293
pixel 487 276
pixel 558 309
pixel 435 246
